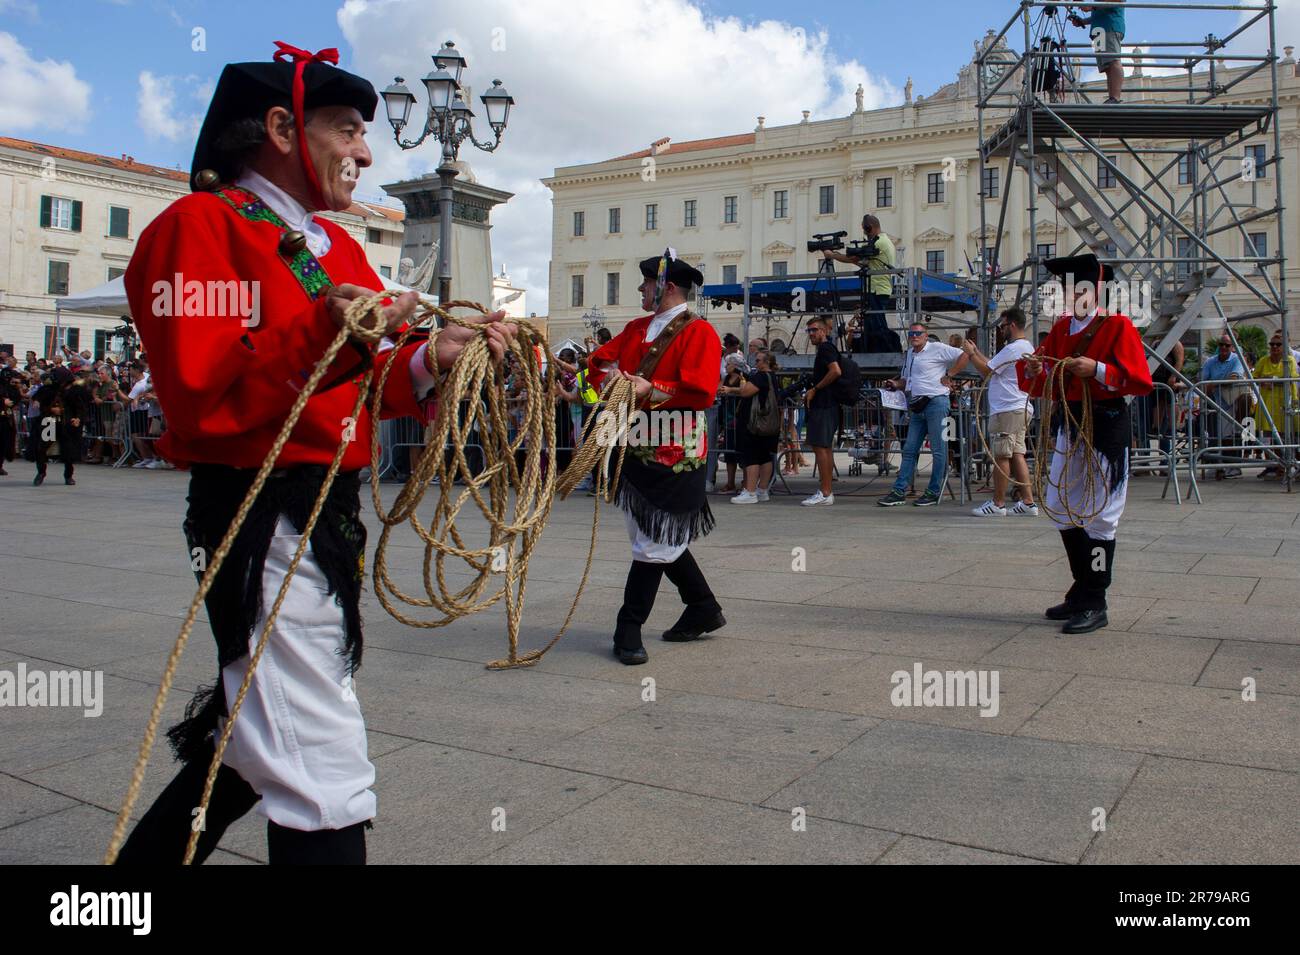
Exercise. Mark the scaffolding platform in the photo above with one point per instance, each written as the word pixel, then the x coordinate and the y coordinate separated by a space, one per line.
pixel 1205 122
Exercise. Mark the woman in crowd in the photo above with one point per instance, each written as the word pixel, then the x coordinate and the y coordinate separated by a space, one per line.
pixel 727 424
pixel 756 451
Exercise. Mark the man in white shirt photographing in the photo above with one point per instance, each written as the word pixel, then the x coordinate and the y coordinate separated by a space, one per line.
pixel 927 368
pixel 1009 414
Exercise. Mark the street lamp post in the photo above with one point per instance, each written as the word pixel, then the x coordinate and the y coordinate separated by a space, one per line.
pixel 450 121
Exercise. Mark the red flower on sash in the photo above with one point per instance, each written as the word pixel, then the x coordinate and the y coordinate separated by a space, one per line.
pixel 669 454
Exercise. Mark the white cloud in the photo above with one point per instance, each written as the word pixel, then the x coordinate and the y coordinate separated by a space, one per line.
pixel 43 93
pixel 593 81
pixel 157 112
pixel 24 8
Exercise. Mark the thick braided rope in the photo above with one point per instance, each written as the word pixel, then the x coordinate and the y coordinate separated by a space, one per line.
pixel 1080 513
pixel 1044 447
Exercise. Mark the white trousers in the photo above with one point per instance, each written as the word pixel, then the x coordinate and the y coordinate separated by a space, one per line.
pixel 1068 480
pixel 647 549
pixel 299 739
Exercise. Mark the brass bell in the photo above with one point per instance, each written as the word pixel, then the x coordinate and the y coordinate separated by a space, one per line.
pixel 206 180
pixel 291 243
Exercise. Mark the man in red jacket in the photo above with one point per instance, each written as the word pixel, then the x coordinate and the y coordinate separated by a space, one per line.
pixel 237 289
pixel 672 357
pixel 1103 353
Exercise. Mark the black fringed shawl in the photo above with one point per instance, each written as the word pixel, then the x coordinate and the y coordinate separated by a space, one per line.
pixel 1111 433
pixel 236 599
pixel 669 507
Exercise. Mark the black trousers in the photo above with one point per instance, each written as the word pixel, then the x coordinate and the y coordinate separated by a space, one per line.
pixel 69 440
pixel 161 835
pixel 1091 564
pixel 642 586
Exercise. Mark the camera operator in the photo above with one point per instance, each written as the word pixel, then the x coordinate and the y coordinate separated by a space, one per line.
pixel 875 254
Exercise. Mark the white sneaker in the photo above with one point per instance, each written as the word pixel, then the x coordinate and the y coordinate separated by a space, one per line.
pixel 1021 509
pixel 818 499
pixel 764 495
pixel 989 509
pixel 744 497
pixel 156 464
pixel 140 464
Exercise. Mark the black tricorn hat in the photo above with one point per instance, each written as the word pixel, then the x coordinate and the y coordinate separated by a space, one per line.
pixel 248 90
pixel 682 274
pixel 1084 268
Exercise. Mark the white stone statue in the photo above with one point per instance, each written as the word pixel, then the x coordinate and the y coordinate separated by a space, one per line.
pixel 858 97
pixel 419 278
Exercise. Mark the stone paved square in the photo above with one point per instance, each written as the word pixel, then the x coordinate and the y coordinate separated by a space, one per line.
pixel 776 740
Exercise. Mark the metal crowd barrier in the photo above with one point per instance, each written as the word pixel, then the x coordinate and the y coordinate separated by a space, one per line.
pixel 1237 430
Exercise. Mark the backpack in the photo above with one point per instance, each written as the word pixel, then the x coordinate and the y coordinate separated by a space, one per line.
pixel 848 385
pixel 765 415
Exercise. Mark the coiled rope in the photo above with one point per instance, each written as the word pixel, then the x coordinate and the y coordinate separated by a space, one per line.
pixel 1078 435
pixel 473 373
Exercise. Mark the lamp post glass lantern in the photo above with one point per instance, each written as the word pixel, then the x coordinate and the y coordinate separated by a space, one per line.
pixel 450 121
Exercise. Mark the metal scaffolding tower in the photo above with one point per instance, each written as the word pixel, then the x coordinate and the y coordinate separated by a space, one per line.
pixel 1166 225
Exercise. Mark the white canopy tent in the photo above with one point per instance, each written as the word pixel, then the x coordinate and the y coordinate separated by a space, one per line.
pixel 109 298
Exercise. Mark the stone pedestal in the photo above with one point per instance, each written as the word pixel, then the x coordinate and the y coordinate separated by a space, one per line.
pixel 471 244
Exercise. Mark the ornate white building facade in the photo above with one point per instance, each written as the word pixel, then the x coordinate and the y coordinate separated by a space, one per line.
pixel 747 204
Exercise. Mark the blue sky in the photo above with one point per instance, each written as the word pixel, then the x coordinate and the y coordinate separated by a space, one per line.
pixel 593 78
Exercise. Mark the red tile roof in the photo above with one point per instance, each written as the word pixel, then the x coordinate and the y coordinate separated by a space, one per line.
pixel 125 163
pixel 691 145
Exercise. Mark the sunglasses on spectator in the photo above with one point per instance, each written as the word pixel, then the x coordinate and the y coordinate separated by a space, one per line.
pixel 915 334
pixel 1274 344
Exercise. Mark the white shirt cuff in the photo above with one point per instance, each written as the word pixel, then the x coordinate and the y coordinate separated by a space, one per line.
pixel 1100 375
pixel 421 380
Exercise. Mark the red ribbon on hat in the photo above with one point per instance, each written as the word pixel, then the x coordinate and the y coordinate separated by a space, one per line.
pixel 300 59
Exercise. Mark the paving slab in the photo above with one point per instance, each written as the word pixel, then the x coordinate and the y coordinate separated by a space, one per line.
pixel 1000 793
pixel 909 850
pixel 1153 718
pixel 637 824
pixel 734 749
pixel 1275 668
pixel 1184 812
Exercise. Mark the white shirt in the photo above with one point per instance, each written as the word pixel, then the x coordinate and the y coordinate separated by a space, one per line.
pixel 287 208
pixel 922 370
pixel 1004 386
pixel 661 320
pixel 657 325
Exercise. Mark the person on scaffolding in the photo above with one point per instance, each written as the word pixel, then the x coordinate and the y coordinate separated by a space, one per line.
pixel 1105 26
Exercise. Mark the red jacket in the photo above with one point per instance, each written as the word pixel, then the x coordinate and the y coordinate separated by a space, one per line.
pixel 225 382
pixel 1117 344
pixel 687 370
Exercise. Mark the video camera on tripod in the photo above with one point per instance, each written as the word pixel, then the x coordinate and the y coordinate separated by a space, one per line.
pixel 863 249
pixel 827 241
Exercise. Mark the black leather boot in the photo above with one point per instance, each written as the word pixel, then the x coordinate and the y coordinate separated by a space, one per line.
pixel 160 837
pixel 1091 612
pixel 285 846
pixel 638 600
pixel 703 614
